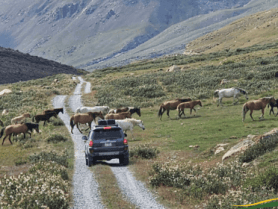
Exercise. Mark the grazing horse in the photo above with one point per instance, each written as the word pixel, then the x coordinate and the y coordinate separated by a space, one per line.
pixel 275 104
pixel 129 123
pixel 122 115
pixel 44 117
pixel 57 110
pixel 18 128
pixel 20 118
pixel 170 105
pixel 129 109
pixel 82 118
pixel 231 92
pixel 259 104
pixel 103 109
pixel 190 105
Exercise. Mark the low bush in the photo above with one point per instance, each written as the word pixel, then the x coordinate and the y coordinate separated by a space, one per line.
pixel 266 144
pixel 50 156
pixel 144 151
pixel 56 138
pixel 45 185
pixel 57 122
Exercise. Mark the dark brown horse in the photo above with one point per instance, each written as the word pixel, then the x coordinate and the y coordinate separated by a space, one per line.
pixel 44 117
pixel 118 116
pixel 57 110
pixel 170 105
pixel 17 129
pixel 259 104
pixel 129 109
pixel 83 118
pixel 190 105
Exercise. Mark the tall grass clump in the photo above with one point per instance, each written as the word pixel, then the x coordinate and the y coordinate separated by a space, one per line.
pixel 50 156
pixel 56 138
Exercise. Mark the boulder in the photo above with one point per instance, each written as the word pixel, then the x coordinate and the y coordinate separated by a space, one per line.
pixel 240 147
pixel 5 112
pixel 174 68
pixel 219 148
pixel 5 91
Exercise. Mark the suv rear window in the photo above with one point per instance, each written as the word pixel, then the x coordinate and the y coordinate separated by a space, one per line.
pixel 107 134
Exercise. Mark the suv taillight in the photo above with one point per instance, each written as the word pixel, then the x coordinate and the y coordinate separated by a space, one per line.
pixel 91 144
pixel 125 141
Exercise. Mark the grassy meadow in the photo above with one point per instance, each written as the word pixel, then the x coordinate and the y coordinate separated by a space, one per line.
pixel 147 85
pixel 52 148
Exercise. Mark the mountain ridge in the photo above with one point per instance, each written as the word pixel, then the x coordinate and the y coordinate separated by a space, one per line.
pixel 96 34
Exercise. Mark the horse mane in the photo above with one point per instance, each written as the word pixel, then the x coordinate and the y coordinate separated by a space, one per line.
pixel 184 100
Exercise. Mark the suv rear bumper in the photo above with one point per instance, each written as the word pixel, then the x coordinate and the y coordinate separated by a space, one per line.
pixel 108 155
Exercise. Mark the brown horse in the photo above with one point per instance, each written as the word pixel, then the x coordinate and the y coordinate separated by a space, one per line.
pixel 190 105
pixel 17 129
pixel 259 104
pixel 123 109
pixel 57 110
pixel 44 117
pixel 170 105
pixel 20 118
pixel 82 118
pixel 118 116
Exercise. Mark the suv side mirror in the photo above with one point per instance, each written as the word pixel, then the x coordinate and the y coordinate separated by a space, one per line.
pixel 84 138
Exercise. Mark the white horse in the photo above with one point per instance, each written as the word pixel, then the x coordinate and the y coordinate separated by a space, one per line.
pixel 231 92
pixel 103 109
pixel 129 123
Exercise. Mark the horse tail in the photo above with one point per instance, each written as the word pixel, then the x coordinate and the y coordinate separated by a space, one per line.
pixel 244 111
pixel 2 132
pixel 71 122
pixel 160 111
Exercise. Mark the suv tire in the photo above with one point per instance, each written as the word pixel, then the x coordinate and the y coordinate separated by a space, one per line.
pixel 124 159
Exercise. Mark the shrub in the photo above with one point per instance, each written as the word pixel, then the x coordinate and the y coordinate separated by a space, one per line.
pixel 266 144
pixel 57 122
pixel 45 185
pixel 144 151
pixel 50 156
pixel 56 138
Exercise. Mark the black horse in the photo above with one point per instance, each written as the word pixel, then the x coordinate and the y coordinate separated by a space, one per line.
pixel 135 110
pixel 44 117
pixel 273 105
pixel 57 110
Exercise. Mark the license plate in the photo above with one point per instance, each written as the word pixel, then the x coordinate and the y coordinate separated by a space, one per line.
pixel 108 153
pixel 108 144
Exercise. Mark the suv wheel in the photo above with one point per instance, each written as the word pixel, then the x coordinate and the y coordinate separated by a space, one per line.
pixel 88 160
pixel 124 159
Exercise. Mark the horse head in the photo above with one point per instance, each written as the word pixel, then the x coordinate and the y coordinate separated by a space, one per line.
pixel 141 125
pixel 200 103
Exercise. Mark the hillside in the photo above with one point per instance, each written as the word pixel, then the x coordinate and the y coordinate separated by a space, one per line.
pixel 16 66
pixel 260 28
pixel 95 34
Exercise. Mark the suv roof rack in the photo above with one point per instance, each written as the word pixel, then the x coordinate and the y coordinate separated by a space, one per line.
pixel 107 122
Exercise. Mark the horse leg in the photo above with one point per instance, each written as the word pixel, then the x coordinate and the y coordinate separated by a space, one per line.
pixel 262 116
pixel 4 139
pixel 10 139
pixel 277 112
pixel 78 127
pixel 168 110
pixel 251 111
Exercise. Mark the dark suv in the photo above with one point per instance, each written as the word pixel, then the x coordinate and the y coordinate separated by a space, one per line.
pixel 106 141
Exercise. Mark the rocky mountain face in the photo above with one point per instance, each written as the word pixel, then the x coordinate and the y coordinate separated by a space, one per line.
pixel 92 34
pixel 16 66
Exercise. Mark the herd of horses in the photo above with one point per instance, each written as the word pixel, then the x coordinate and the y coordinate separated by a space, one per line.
pixel 123 116
pixel 19 124
pixel 259 104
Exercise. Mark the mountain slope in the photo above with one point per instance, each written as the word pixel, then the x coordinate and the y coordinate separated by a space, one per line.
pixel 16 66
pixel 93 34
pixel 260 28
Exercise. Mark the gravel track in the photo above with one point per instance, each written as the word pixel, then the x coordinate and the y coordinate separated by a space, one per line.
pixel 86 193
pixel 85 188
